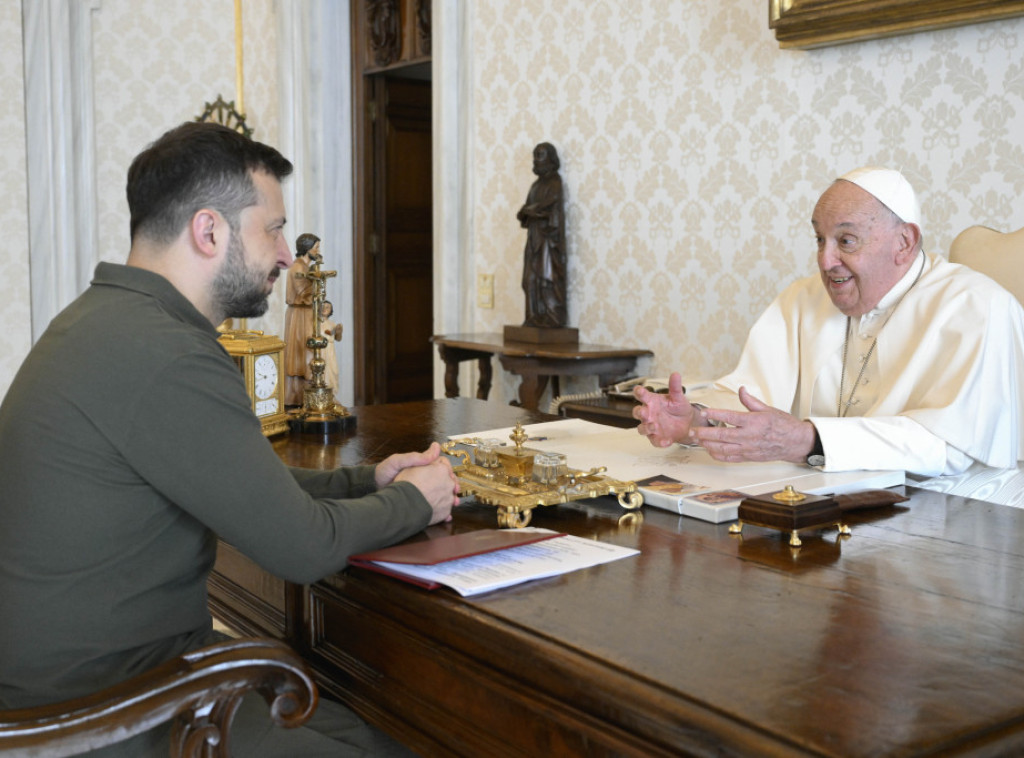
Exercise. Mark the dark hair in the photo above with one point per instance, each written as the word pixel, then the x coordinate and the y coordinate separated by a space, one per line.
pixel 304 243
pixel 192 166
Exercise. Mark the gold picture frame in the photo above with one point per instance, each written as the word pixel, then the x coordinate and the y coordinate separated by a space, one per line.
pixel 808 24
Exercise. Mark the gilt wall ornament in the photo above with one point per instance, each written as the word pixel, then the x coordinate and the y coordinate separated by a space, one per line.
pixel 232 113
pixel 223 112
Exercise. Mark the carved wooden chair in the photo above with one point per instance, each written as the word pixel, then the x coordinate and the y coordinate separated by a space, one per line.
pixel 200 691
pixel 998 255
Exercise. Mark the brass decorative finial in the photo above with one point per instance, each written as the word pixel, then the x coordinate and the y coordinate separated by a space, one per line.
pixel 789 495
pixel 519 436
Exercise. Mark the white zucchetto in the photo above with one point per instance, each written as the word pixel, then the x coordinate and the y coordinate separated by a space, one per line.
pixel 890 188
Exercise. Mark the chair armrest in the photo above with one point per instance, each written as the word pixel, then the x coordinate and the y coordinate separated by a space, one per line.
pixel 200 691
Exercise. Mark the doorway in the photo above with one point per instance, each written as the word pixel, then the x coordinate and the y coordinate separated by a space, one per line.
pixel 393 262
pixel 400 311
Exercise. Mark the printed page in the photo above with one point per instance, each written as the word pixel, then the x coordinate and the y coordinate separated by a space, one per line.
pixel 514 565
pixel 628 456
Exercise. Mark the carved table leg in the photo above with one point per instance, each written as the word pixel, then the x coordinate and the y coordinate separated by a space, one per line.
pixel 537 371
pixel 531 389
pixel 483 387
pixel 451 370
pixel 452 357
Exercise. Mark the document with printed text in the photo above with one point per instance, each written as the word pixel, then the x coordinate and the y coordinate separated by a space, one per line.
pixel 494 570
pixel 679 478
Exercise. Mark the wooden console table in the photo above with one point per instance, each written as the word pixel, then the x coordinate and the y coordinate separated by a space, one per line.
pixel 535 364
pixel 903 639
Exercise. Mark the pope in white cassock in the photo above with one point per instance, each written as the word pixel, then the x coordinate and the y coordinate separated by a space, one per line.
pixel 891 358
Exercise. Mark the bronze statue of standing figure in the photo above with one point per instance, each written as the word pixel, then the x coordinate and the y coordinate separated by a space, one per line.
pixel 544 263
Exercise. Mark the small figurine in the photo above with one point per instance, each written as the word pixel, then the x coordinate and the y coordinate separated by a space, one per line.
pixel 298 318
pixel 332 332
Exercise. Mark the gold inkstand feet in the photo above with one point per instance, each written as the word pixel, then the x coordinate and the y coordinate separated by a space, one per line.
pixel 790 511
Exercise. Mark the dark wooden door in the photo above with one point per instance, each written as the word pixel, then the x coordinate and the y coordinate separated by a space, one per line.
pixel 392 236
pixel 401 323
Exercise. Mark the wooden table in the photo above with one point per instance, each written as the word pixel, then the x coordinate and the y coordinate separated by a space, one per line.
pixel 534 363
pixel 905 639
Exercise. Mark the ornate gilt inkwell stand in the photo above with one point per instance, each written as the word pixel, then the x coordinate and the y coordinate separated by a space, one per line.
pixel 518 479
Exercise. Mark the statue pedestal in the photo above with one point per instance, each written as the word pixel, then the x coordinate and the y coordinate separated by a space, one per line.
pixel 320 415
pixel 324 426
pixel 541 335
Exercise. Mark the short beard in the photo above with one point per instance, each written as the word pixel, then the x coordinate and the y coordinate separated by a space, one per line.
pixel 238 289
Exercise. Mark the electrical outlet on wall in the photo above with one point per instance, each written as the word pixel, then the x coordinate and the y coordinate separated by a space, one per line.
pixel 485 290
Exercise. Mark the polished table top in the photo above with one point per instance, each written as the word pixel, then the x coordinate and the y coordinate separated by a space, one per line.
pixel 496 343
pixel 906 638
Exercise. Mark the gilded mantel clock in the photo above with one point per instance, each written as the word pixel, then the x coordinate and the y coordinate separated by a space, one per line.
pixel 259 356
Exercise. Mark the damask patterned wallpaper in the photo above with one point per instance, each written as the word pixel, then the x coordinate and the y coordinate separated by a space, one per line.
pixel 693 150
pixel 155 64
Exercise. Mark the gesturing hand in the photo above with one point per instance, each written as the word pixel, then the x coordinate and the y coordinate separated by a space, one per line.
pixel 763 433
pixel 665 419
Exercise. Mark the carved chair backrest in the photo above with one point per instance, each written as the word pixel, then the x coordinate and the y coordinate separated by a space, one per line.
pixel 198 692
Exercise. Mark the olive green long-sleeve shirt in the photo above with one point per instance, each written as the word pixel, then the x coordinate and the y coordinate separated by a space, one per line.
pixel 127 445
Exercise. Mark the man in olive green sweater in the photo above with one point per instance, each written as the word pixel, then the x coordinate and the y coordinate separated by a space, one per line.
pixel 128 445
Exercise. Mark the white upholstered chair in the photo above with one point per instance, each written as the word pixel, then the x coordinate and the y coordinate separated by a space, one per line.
pixel 998 255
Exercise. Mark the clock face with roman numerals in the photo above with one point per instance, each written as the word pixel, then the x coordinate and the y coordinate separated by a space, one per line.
pixel 265 376
pixel 259 358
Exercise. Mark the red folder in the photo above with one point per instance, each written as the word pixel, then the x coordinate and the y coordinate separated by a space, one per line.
pixel 450 548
